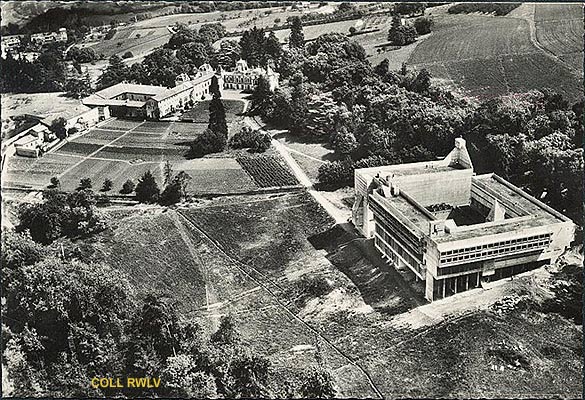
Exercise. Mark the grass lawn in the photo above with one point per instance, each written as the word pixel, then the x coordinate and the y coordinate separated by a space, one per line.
pixel 200 111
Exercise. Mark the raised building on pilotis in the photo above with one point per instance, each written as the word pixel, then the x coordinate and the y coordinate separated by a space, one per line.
pixel 452 228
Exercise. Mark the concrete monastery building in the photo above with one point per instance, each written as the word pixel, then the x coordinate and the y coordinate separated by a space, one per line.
pixel 454 229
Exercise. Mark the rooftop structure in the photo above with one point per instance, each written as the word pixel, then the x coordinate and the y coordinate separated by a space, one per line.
pixel 452 228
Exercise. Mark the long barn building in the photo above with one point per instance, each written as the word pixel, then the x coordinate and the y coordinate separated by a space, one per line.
pixel 452 228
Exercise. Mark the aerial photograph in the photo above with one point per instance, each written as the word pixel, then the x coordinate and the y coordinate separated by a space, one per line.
pixel 292 199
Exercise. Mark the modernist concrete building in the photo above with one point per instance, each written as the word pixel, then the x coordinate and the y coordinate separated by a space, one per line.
pixel 245 78
pixel 452 228
pixel 153 102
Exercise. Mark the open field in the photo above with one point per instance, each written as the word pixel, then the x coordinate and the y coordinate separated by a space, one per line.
pixel 559 29
pixel 486 56
pixel 143 36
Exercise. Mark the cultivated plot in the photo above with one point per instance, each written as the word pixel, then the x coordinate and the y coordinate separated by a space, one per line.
pixel 484 56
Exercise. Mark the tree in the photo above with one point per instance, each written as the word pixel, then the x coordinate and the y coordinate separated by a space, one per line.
pixel 352 30
pixel 107 185
pixel 127 187
pixel 127 54
pixel 115 72
pixel 261 96
pixel 249 373
pixel 217 119
pixel 78 88
pixel 272 47
pixel 401 35
pixel 336 172
pixel 182 180
pixel 255 140
pixel 59 214
pixel 382 68
pixel 317 384
pixel 208 142
pixel 147 190
pixel 423 25
pixel 183 380
pixel 84 183
pixel 297 38
pixel 55 182
pixel 171 194
pixel 345 142
pixel 162 68
pixel 168 173
pixel 181 36
pixel 410 8
pixel 298 104
pixel 195 53
pixel 227 332
pixel 228 54
pixel 58 127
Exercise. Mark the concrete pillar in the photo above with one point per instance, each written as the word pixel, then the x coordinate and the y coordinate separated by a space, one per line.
pixel 466 282
pixel 456 281
pixel 444 286
pixel 478 274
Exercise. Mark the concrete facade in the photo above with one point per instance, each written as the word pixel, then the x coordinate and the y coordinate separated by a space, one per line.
pixel 452 228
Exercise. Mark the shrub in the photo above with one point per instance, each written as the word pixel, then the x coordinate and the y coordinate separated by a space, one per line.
pixel 84 183
pixel 128 54
pixel 107 186
pixel 209 142
pixel 171 194
pixel 127 187
pixel 256 141
pixel 311 287
pixel 147 190
pixel 55 182
pixel 423 25
pixel 336 172
pixel 110 34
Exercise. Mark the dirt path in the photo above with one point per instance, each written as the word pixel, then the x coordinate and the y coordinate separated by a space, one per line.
pixel 338 215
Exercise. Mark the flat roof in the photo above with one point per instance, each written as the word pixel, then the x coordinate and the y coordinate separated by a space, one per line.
pixel 538 213
pixel 418 168
pixel 411 212
pixel 98 101
pixel 121 88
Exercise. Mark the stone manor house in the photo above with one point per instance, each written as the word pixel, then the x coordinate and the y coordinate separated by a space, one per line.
pixel 452 228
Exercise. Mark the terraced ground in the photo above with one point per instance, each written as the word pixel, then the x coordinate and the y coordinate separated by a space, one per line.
pixel 485 56
pixel 120 150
